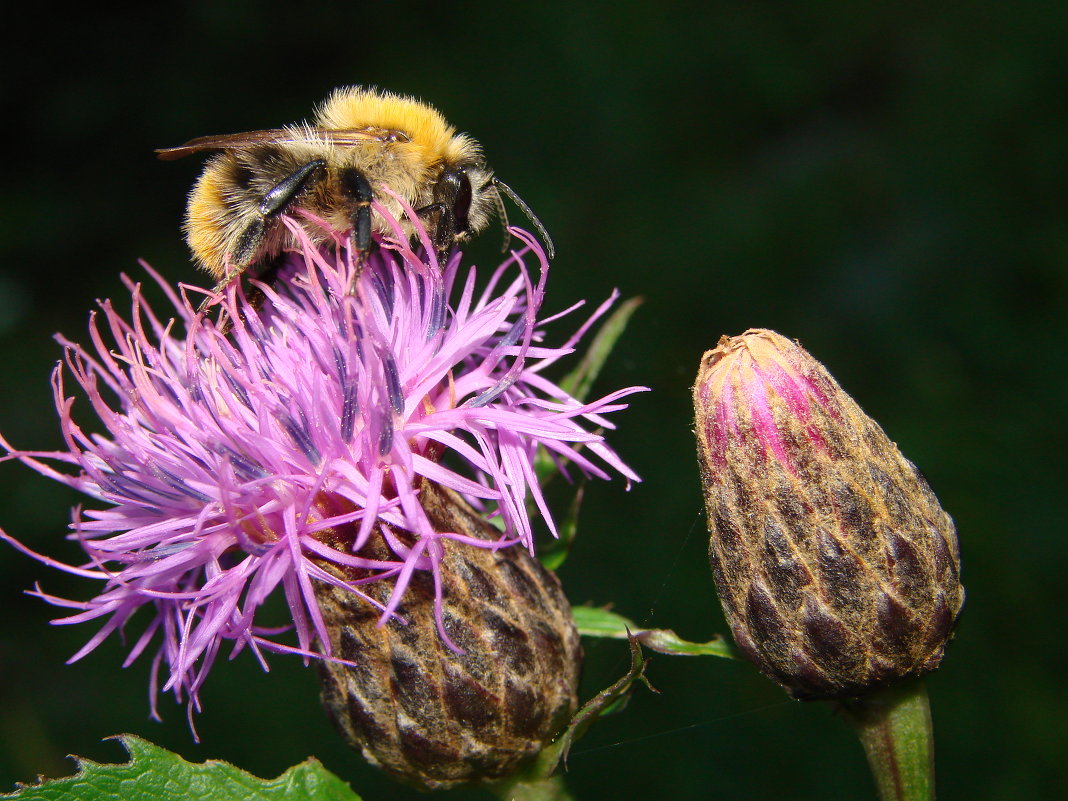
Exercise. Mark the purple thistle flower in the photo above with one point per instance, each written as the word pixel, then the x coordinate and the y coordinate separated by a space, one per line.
pixel 237 462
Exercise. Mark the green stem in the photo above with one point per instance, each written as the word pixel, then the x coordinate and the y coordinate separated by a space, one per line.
pixel 894 726
pixel 550 789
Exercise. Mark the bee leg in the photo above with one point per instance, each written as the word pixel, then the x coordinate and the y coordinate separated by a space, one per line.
pixel 275 201
pixel 452 204
pixel 441 225
pixel 250 240
pixel 247 245
pixel 438 222
pixel 254 296
pixel 357 187
pixel 285 191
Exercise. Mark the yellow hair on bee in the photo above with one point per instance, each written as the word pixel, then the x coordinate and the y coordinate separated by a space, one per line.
pixel 431 135
pixel 207 229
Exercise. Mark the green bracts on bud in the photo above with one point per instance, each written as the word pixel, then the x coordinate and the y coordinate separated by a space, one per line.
pixel 436 718
pixel 837 569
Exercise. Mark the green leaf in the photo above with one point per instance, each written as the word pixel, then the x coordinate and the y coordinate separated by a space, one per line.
pixel 579 381
pixel 556 551
pixel 155 774
pixel 592 621
pixel 578 384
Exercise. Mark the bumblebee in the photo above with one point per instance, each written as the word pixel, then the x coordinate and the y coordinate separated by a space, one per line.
pixel 333 168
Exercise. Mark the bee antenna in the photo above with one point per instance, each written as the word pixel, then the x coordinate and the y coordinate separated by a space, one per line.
pixel 502 214
pixel 503 187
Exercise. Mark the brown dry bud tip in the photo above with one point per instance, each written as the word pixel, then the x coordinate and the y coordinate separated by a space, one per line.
pixel 428 715
pixel 837 569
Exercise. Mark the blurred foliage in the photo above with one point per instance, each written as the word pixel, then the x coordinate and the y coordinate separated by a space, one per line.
pixel 885 183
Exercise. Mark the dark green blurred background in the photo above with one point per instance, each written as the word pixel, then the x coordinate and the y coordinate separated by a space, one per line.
pixel 886 183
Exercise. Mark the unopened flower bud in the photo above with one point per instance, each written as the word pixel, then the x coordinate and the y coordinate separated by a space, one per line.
pixel 436 716
pixel 837 569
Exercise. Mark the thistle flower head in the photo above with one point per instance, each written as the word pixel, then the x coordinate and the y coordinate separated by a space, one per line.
pixel 234 463
pixel 435 717
pixel 837 569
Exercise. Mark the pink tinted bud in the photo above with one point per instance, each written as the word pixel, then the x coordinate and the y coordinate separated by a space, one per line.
pixel 837 569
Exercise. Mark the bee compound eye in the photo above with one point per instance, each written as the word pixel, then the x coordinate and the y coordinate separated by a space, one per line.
pixel 460 185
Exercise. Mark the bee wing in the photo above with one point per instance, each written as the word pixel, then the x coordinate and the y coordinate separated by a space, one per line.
pixel 282 136
pixel 225 142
